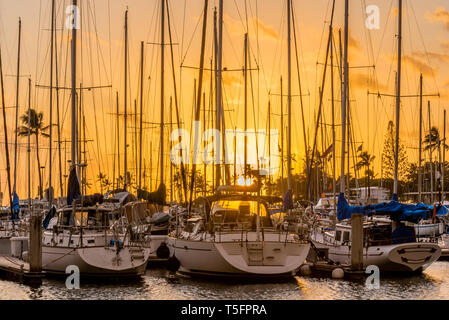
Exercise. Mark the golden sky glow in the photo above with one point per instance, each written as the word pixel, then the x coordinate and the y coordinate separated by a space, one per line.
pixel 101 43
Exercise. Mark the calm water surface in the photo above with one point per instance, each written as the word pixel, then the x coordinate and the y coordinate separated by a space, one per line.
pixel 159 284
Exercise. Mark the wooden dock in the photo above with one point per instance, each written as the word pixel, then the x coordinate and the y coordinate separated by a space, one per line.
pixel 18 270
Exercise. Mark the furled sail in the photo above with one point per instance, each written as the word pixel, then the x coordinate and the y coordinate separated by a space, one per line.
pixel 397 211
pixel 73 190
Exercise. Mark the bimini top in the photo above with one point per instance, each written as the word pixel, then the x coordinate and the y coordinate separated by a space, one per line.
pixel 397 211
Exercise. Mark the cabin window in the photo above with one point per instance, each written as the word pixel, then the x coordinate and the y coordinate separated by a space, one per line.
pixel 345 236
pixel 338 235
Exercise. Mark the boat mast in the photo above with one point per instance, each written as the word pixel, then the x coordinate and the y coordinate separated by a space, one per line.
pixel 170 145
pixel 50 191
pixel 73 66
pixel 398 101
pixel 136 149
pixel 333 122
pixel 289 100
pixel 245 72
pixel 178 120
pixel 443 167
pixel 8 168
pixel 430 153
pixel 118 139
pixel 61 186
pixel 125 101
pixel 269 143
pixel 162 91
pixel 198 103
pixel 218 70
pixel 29 145
pixel 344 98
pixel 17 103
pixel 282 138
pixel 420 141
pixel 141 111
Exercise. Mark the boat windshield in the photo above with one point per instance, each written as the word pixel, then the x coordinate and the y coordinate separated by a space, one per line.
pixel 237 211
pixel 88 218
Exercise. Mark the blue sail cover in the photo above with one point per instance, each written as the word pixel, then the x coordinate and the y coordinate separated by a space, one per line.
pixel 15 207
pixel 397 211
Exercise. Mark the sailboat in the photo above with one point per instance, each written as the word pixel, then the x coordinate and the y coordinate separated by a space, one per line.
pixel 86 232
pixel 388 243
pixel 231 233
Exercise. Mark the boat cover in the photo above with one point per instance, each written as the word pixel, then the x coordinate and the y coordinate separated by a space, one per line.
pixel 396 210
pixel 73 190
pixel 15 207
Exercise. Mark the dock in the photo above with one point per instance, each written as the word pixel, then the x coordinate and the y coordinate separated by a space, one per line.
pixel 18 270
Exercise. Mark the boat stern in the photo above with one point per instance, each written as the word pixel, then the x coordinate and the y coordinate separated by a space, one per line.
pixel 414 256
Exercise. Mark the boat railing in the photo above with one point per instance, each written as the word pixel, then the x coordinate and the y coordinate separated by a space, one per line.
pixel 243 228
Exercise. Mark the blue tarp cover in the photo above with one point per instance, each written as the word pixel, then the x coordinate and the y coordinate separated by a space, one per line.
pixel 15 207
pixel 397 211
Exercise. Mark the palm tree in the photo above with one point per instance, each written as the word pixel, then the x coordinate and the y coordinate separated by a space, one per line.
pixel 433 141
pixel 37 128
pixel 365 162
pixel 101 178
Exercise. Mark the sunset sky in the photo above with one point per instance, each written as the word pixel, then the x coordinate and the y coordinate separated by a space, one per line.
pixel 101 62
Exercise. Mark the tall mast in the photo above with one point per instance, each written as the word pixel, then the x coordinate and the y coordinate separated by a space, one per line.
pixel 74 128
pixel 218 70
pixel 125 101
pixel 136 149
pixel 443 166
pixel 282 137
pixel 61 186
pixel 29 145
pixel 333 120
pixel 17 103
pixel 430 153
pixel 171 163
pixel 398 101
pixel 141 112
pixel 289 100
pixel 8 168
pixel 344 98
pixel 161 161
pixel 178 120
pixel 246 106
pixel 50 193
pixel 198 101
pixel 420 141
pixel 269 141
pixel 118 140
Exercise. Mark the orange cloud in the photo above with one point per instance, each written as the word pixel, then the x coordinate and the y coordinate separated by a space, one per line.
pixel 441 57
pixel 440 14
pixel 419 65
pixel 267 30
pixel 364 81
pixel 238 28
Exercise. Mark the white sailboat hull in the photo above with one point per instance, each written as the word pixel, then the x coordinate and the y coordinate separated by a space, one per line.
pixel 233 257
pixel 406 257
pixel 95 261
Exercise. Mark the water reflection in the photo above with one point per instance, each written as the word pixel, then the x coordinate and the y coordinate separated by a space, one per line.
pixel 161 284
